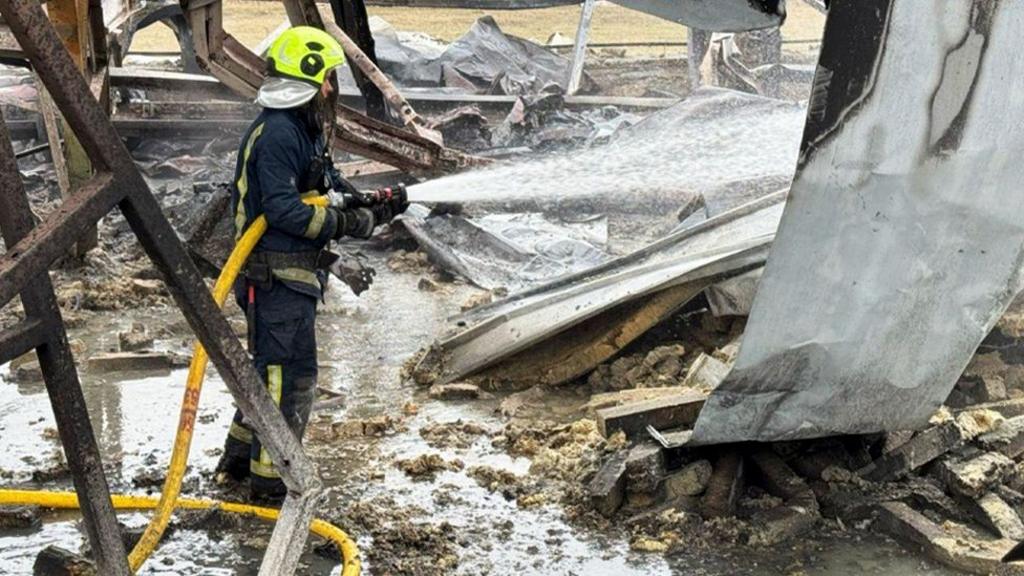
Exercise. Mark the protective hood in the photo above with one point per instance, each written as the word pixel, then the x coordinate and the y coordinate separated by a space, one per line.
pixel 282 93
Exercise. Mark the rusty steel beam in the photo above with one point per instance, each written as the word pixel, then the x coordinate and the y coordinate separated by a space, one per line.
pixel 44 245
pixel 59 373
pixel 360 61
pixel 21 339
pixel 86 117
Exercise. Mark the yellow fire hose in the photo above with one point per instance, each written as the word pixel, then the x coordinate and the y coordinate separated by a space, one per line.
pixel 183 441
pixel 69 500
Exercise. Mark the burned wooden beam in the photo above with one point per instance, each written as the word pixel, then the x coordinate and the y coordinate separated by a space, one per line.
pixel 21 338
pixel 42 246
pixel 725 486
pixel 662 413
pixel 799 511
pixel 608 487
pixel 918 451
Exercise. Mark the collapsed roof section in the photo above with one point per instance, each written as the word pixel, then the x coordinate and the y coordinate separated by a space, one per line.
pixel 724 141
pixel 901 243
pixel 563 330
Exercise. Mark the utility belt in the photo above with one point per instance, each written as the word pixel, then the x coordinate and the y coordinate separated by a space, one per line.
pixel 263 266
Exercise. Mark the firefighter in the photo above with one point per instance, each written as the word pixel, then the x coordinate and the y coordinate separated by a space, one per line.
pixel 282 159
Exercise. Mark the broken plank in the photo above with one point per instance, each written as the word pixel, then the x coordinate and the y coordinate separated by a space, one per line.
pixel 130 361
pixel 645 467
pixel 608 488
pixel 632 419
pixel 724 489
pixel 918 451
pixel 618 398
pixel 782 481
pixel 973 477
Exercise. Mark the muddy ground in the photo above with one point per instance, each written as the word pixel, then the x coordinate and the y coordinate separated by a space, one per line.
pixel 426 486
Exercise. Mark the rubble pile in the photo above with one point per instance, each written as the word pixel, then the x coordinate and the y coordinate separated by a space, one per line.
pixel 953 489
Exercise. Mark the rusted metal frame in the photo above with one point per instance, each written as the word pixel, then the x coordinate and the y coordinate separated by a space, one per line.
pixel 186 285
pixel 21 338
pixel 305 12
pixel 398 103
pixel 242 71
pixel 160 241
pixel 376 140
pixel 39 249
pixel 196 110
pixel 59 373
pixel 147 14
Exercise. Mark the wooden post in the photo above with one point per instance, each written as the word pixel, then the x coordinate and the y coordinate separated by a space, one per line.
pixel 71 21
pixel 48 112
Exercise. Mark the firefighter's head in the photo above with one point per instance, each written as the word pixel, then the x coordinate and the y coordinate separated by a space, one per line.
pixel 300 63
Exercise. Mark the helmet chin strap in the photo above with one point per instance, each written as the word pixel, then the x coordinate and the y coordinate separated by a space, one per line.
pixel 330 105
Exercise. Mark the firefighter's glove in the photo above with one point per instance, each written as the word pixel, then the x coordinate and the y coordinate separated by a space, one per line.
pixel 354 222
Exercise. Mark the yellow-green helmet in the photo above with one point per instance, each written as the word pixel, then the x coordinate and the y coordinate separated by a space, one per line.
pixel 304 53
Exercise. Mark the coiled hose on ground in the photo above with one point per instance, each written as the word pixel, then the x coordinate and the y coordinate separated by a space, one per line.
pixel 168 501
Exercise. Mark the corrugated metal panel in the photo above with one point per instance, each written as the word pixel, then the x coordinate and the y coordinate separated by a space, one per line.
pixel 903 236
